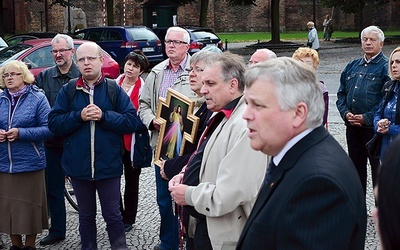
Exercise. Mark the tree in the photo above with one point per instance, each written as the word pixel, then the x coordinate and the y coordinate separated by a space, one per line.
pixel 355 7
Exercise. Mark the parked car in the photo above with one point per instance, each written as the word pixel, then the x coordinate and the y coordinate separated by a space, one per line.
pixel 118 41
pixel 29 36
pixel 199 38
pixel 3 44
pixel 36 54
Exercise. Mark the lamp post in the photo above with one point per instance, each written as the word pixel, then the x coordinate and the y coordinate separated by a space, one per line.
pixel 69 18
pixel 314 20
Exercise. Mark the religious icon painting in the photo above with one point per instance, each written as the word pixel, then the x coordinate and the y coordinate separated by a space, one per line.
pixel 178 125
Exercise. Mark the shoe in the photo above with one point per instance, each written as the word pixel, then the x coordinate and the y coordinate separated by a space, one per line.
pixel 50 239
pixel 128 227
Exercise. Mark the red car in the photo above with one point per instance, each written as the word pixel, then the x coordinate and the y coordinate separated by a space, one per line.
pixel 36 54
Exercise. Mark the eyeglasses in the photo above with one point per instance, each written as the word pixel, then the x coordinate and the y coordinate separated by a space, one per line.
pixel 59 51
pixel 88 58
pixel 132 53
pixel 196 70
pixel 174 42
pixel 12 74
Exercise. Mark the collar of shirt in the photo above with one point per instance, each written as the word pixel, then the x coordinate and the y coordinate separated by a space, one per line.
pixel 82 82
pixel 182 65
pixel 372 58
pixel 228 109
pixel 290 144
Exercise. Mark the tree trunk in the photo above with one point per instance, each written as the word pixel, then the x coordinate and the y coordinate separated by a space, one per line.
pixel 203 13
pixel 1 18
pixel 110 12
pixel 275 33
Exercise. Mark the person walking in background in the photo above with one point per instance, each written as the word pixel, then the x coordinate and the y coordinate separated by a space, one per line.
pixel 312 36
pixel 261 55
pixel 51 81
pixel 171 73
pixel 137 153
pixel 359 94
pixel 92 121
pixel 227 187
pixel 304 183
pixel 310 57
pixel 386 216
pixel 327 28
pixel 23 123
pixel 387 118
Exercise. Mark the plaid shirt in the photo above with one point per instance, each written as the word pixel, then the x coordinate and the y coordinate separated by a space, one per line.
pixel 170 77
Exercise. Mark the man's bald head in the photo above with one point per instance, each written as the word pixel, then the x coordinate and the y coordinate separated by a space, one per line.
pixel 261 55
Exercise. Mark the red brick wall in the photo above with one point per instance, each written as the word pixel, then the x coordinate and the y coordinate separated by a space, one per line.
pixel 294 14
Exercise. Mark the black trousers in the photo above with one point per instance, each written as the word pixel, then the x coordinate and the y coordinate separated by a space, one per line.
pixel 129 204
pixel 357 137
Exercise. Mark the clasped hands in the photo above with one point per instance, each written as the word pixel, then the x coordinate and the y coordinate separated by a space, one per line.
pixel 91 113
pixel 11 135
pixel 177 189
pixel 355 120
pixel 383 126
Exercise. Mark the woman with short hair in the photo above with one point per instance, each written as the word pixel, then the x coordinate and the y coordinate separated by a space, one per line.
pixel 23 129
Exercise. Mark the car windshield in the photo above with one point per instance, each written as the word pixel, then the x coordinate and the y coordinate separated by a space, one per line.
pixel 3 44
pixel 142 34
pixel 11 51
pixel 201 34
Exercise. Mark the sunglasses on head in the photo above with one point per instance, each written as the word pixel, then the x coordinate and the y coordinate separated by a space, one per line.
pixel 132 53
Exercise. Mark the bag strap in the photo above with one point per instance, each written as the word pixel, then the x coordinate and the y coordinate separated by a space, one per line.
pixel 111 91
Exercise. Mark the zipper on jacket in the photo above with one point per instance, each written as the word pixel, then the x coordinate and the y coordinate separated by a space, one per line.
pixel 35 148
pixel 9 156
pixel 92 132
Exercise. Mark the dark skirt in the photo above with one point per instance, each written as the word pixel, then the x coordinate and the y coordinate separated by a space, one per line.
pixel 23 203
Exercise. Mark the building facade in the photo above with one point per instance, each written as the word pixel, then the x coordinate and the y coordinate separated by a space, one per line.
pixel 21 16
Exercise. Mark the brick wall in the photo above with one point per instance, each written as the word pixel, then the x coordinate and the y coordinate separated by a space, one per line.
pixel 294 14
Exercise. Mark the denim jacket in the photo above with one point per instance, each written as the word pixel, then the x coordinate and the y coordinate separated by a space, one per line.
pixel 361 87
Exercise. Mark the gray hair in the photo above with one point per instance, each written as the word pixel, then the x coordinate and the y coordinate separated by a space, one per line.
pixel 68 39
pixel 373 28
pixel 295 82
pixel 186 36
pixel 269 52
pixel 232 66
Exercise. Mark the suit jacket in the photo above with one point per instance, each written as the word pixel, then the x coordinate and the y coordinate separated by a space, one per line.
pixel 313 201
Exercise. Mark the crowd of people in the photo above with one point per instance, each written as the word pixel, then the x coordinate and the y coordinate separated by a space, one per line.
pixel 262 170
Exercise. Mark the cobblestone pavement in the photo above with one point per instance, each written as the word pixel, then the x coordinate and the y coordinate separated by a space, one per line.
pixel 333 58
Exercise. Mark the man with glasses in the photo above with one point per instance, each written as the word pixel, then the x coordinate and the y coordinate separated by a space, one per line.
pixel 92 124
pixel 171 73
pixel 51 81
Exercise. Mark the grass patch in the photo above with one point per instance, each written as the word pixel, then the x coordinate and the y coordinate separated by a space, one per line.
pixel 299 35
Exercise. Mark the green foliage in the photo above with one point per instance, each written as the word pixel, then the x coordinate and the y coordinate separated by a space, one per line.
pixel 353 6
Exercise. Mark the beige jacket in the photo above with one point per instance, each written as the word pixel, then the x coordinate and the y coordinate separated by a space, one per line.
pixel 231 175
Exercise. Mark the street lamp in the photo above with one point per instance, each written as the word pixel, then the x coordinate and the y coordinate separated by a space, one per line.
pixel 69 18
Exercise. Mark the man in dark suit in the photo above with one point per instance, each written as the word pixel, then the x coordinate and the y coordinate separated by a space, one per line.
pixel 312 198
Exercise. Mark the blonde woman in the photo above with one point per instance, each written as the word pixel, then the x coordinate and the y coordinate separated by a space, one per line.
pixel 23 129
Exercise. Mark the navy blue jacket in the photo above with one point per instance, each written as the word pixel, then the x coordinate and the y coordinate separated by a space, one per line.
pixel 65 120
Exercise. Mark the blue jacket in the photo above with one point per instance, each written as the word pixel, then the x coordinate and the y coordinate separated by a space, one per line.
pixel 30 117
pixel 104 160
pixel 360 89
